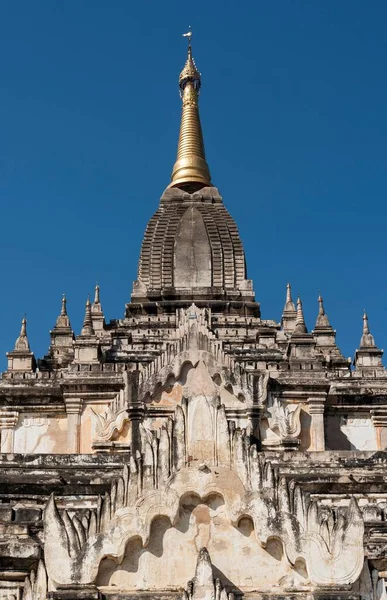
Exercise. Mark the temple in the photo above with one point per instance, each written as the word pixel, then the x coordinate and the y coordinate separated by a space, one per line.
pixel 193 449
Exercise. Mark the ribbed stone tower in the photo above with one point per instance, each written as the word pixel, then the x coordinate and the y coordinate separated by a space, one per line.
pixel 193 450
pixel 191 248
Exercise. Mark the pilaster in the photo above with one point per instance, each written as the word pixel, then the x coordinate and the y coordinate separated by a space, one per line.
pixel 8 422
pixel 317 434
pixel 379 421
pixel 73 410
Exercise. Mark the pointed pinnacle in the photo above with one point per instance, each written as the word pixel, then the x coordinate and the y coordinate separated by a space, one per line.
pixel 321 310
pixel 289 304
pixel 22 342
pixel 300 321
pixel 23 329
pixel 366 328
pixel 96 296
pixel 63 311
pixel 367 339
pixel 322 321
pixel 87 328
pixel 288 293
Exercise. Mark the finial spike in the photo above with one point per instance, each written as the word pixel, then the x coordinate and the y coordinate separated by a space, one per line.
pixel 300 326
pixel 63 321
pixel 321 310
pixel 288 293
pixel 22 342
pixel 367 339
pixel 366 328
pixel 87 328
pixel 322 321
pixel 289 304
pixel 23 330
pixel 188 35
pixel 96 296
pixel 63 311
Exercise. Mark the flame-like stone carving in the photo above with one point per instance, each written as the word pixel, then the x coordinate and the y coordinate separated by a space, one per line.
pixel 285 421
pixel 153 484
pixel 35 584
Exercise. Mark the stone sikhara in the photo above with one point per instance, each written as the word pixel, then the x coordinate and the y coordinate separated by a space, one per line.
pixel 192 449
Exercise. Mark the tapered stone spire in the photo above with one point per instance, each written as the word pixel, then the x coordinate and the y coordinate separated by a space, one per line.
pixel 63 320
pixel 22 342
pixel 87 328
pixel 190 167
pixel 368 357
pixel 367 339
pixel 322 320
pixel 96 295
pixel 63 310
pixel 289 304
pixel 21 358
pixel 61 351
pixel 86 345
pixel 97 315
pixel 301 343
pixel 325 337
pixel 289 314
pixel 300 327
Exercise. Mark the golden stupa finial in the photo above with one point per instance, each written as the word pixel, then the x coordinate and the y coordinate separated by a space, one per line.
pixel 190 166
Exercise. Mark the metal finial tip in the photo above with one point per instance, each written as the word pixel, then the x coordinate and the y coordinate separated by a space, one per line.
pixel 188 35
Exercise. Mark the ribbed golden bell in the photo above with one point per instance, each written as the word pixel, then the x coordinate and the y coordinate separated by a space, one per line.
pixel 190 166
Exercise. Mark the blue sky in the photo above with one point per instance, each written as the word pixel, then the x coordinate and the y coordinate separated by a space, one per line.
pixel 293 107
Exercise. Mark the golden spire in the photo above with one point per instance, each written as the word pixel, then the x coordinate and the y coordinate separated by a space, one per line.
pixel 190 166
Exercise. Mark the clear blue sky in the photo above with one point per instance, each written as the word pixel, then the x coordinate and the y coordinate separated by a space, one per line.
pixel 293 105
